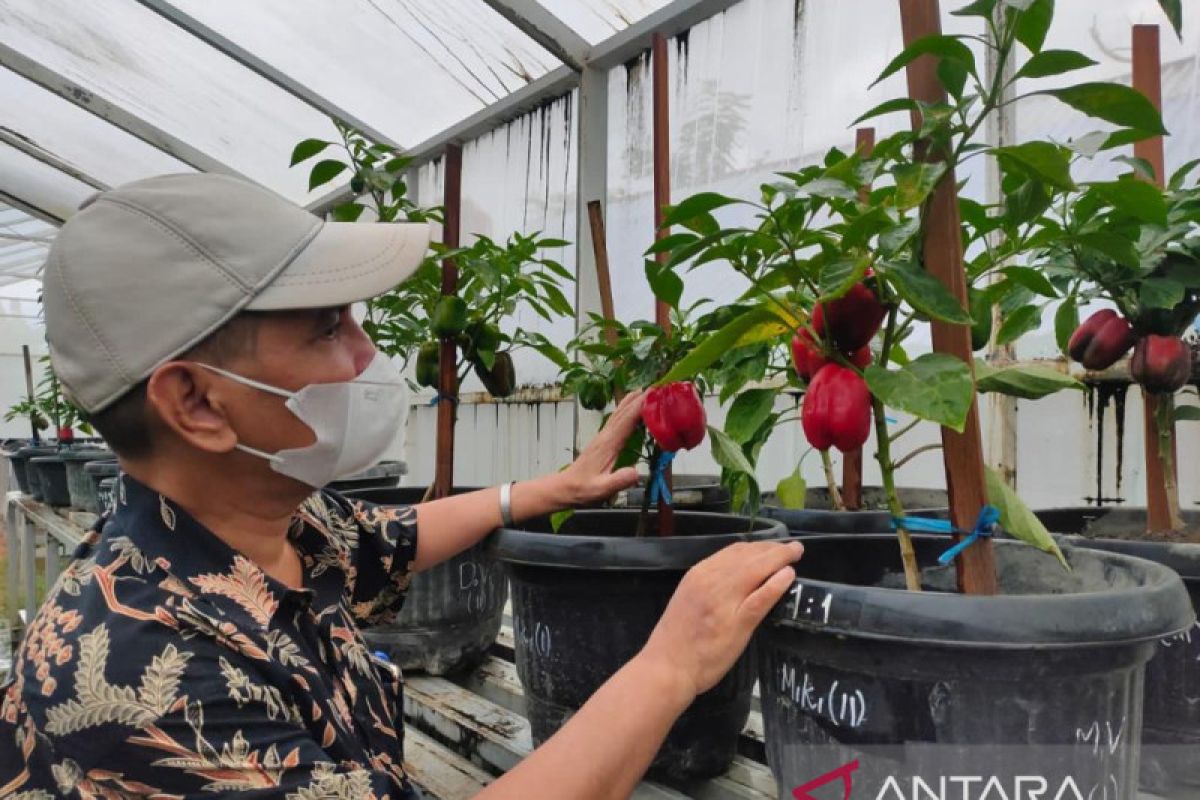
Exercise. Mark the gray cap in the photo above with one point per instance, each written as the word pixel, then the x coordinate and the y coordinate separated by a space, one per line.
pixel 144 272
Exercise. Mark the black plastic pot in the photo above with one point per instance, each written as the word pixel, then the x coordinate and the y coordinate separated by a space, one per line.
pixel 688 493
pixel 27 481
pixel 1044 680
pixel 49 480
pixel 818 514
pixel 383 475
pixel 1171 730
pixel 106 493
pixel 584 603
pixel 453 611
pixel 96 473
pixel 79 484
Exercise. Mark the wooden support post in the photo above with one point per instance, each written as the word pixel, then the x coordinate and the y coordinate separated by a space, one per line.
pixel 35 437
pixel 1162 474
pixel 443 480
pixel 662 199
pixel 603 277
pixel 943 256
pixel 852 462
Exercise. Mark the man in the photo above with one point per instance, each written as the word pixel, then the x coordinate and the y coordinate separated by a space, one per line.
pixel 206 640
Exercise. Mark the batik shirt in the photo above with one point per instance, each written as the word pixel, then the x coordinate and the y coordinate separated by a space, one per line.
pixel 166 664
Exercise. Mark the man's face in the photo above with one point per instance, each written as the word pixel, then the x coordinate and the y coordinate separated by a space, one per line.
pixel 292 350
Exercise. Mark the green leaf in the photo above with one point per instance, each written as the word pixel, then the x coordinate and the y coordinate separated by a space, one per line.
pixel 696 205
pixel 888 107
pixel 668 243
pixel 1135 198
pixel 757 324
pixel 666 285
pixel 559 518
pixel 792 491
pixel 1180 175
pixel 953 76
pixel 324 172
pixel 915 181
pixel 1042 160
pixel 1174 11
pixel 1030 382
pixel 1032 279
pixel 838 277
pixel 926 293
pixel 1034 23
pixel 1112 102
pixel 1187 413
pixel 1017 519
pixel 1019 323
pixel 728 453
pixel 748 412
pixel 1054 62
pixel 307 149
pixel 935 387
pixel 937 45
pixel 1066 320
pixel 979 8
pixel 1160 293
pixel 1113 246
pixel 347 212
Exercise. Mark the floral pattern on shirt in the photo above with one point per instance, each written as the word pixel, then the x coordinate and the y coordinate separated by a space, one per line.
pixel 165 664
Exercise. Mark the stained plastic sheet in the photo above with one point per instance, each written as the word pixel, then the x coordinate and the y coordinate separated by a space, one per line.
pixel 40 185
pixel 408 68
pixel 596 20
pixel 24 241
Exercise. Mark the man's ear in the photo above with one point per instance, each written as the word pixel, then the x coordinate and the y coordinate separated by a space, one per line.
pixel 190 401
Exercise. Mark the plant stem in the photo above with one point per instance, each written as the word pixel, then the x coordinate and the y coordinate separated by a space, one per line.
pixel 835 496
pixel 916 421
pixel 644 517
pixel 883 454
pixel 922 449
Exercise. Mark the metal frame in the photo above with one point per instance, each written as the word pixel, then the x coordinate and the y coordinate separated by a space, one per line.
pixel 30 209
pixel 532 19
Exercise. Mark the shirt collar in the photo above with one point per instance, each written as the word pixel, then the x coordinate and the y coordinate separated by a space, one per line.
pixel 173 540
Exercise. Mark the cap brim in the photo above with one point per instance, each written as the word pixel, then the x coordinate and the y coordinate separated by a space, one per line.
pixel 344 263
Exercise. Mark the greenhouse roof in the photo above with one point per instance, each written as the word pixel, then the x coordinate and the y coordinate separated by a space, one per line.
pixel 98 94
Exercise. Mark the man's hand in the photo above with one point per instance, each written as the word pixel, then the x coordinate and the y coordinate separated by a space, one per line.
pixel 591 479
pixel 715 610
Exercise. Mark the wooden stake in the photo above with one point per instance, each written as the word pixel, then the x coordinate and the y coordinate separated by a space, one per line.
pixel 662 199
pixel 1162 479
pixel 443 480
pixel 852 462
pixel 603 277
pixel 943 256
pixel 36 438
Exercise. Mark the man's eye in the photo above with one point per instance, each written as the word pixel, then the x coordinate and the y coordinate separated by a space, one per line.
pixel 332 330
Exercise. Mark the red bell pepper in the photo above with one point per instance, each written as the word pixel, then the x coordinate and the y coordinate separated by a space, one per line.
pixel 1161 364
pixel 1100 341
pixel 674 416
pixel 837 409
pixel 808 357
pixel 852 319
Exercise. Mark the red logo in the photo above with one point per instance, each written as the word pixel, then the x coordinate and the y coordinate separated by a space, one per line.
pixel 843 772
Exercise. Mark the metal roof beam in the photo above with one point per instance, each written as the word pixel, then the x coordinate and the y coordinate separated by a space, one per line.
pixel 261 68
pixel 31 209
pixel 35 151
pixel 111 112
pixel 670 20
pixel 539 24
pixel 548 87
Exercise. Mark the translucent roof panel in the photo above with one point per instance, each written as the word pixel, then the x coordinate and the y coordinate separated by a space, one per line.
pixel 407 68
pixel 596 20
pixel 76 137
pixel 24 241
pixel 40 185
pixel 135 59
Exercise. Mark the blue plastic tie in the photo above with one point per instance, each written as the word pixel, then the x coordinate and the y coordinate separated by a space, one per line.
pixel 658 479
pixel 988 524
pixel 382 656
pixel 437 398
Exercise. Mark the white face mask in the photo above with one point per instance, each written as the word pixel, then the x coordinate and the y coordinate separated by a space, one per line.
pixel 354 421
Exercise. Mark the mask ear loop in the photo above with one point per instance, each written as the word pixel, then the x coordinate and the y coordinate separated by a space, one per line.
pixel 253 384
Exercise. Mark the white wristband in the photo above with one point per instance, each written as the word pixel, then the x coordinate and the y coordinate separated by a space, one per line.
pixel 506 504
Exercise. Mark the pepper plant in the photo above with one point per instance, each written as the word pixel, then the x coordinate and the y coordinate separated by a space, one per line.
pixel 49 406
pixel 495 279
pixel 849 232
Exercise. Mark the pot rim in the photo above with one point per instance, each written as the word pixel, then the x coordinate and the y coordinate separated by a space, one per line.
pixel 1156 608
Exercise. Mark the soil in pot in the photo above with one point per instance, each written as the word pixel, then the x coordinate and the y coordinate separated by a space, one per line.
pixel 818 514
pixel 453 611
pixel 585 600
pixel 1171 732
pixel 688 493
pixel 1044 680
